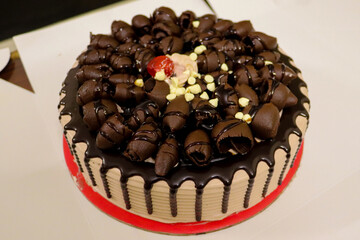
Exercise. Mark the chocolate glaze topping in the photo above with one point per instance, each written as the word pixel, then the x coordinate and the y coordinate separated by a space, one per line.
pixel 150 139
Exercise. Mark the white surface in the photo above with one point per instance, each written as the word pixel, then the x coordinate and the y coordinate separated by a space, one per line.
pixel 322 202
pixel 4 57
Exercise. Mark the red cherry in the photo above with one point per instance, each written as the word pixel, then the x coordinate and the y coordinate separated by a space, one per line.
pixel 160 63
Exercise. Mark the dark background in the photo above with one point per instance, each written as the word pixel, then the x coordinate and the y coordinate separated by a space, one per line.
pixel 19 16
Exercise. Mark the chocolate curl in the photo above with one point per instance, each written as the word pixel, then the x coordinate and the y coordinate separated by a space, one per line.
pixel 206 22
pixel 271 56
pixel 167 156
pixel 265 120
pixel 197 147
pixel 164 29
pixel 242 60
pixel 102 41
pixel 141 24
pixel 205 114
pixel 210 61
pixel 245 91
pixel 247 74
pixel 228 99
pixel 157 91
pixel 96 71
pixel 279 72
pixel 223 26
pixel 220 77
pixel 170 45
pixel 94 56
pixel 129 48
pixel 96 112
pixel 233 135
pixel 208 38
pixel 240 29
pixel 258 41
pixel 92 90
pixel 176 113
pixel 113 132
pixel 186 18
pixel 128 93
pixel 144 112
pixel 231 47
pixel 142 58
pixel 278 94
pixel 148 41
pixel 123 78
pixel 122 31
pixel 162 14
pixel 143 143
pixel 190 38
pixel 121 63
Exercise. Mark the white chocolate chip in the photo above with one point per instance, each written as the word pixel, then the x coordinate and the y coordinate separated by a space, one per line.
pixel 268 62
pixel 172 89
pixel 196 24
pixel 204 95
pixel 211 87
pixel 193 56
pixel 208 78
pixel 243 102
pixel 203 47
pixel 186 72
pixel 232 151
pixel 161 76
pixel 230 72
pixel 139 82
pixel 224 67
pixel 180 91
pixel 174 81
pixel 171 96
pixel 200 49
pixel 189 97
pixel 191 80
pixel 195 89
pixel 247 118
pixel 239 115
pixel 214 102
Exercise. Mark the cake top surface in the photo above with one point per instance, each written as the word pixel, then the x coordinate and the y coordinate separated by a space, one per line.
pixel 183 97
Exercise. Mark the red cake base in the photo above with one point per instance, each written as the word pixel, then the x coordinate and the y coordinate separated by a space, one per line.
pixel 172 228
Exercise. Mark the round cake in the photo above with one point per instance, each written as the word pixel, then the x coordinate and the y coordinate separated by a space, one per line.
pixel 183 124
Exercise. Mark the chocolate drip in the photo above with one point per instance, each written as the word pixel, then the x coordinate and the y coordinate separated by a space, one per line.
pixel 105 181
pixel 148 200
pixel 267 182
pixel 284 168
pixel 225 199
pixel 248 192
pixel 125 192
pixel 173 201
pixel 198 203
pixel 88 168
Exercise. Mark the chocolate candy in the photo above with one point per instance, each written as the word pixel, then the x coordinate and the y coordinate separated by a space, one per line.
pixel 247 74
pixel 245 91
pixel 210 61
pixel 144 112
pixel 92 90
pixel 143 143
pixel 228 99
pixel 170 45
pixel 164 29
pixel 96 112
pixel 279 72
pixel 94 56
pixel 157 91
pixel 122 31
pixel 233 135
pixel 121 63
pixel 186 18
pixel 265 120
pixel 141 24
pixel 258 41
pixel 167 156
pixel 197 147
pixel 102 41
pixel 113 132
pixel 278 94
pixel 176 114
pixel 96 71
pixel 128 93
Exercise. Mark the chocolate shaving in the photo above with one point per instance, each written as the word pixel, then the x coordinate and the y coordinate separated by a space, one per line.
pixel 170 45
pixel 258 41
pixel 167 156
pixel 128 93
pixel 197 147
pixel 176 114
pixel 144 112
pixel 164 29
pixel 142 58
pixel 122 31
pixel 92 90
pixel 247 74
pixel 94 56
pixel 228 99
pixel 96 112
pixel 240 29
pixel 245 91
pixel 102 41
pixel 157 91
pixel 186 18
pixel 141 24
pixel 162 14
pixel 210 61
pixel 206 22
pixel 223 25
pixel 231 47
pixel 129 48
pixel 278 94
pixel 121 63
pixel 279 72
pixel 123 78
pixel 205 114
pixel 96 71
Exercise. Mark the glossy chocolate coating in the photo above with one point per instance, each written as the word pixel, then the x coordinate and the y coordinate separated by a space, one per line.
pixel 170 45
pixel 141 24
pixel 186 18
pixel 278 94
pixel 167 156
pixel 157 91
pixel 144 112
pixel 96 112
pixel 279 72
pixel 176 114
pixel 93 90
pixel 94 56
pixel 96 71
pixel 122 31
pixel 197 147
pixel 102 41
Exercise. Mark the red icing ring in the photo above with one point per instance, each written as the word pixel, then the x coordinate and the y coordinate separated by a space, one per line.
pixel 173 228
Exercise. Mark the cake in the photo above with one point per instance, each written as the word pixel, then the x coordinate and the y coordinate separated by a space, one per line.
pixel 183 124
